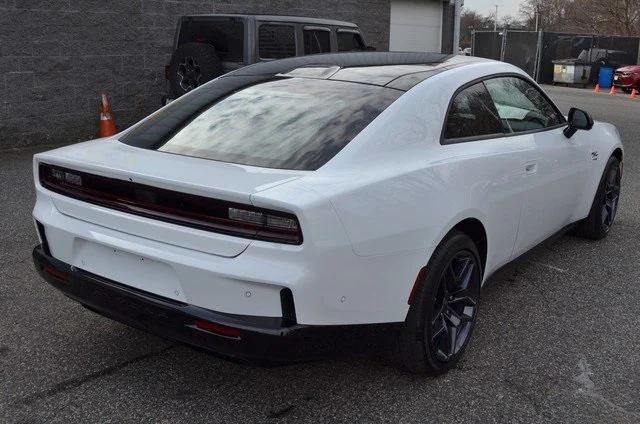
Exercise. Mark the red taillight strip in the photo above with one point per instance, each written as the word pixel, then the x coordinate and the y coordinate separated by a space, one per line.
pixel 60 275
pixel 166 205
pixel 218 329
pixel 416 284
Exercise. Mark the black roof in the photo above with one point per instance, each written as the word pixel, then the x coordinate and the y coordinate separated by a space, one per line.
pixel 397 70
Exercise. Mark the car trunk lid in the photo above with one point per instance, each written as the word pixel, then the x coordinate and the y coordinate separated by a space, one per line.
pixel 182 174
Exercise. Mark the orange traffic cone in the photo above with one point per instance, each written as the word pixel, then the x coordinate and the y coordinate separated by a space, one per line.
pixel 107 124
pixel 613 90
pixel 597 89
pixel 634 94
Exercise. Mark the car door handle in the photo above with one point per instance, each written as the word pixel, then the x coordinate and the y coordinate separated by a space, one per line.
pixel 531 168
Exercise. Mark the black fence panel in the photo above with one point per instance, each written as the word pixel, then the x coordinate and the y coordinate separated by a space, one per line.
pixel 521 49
pixel 487 44
pixel 557 46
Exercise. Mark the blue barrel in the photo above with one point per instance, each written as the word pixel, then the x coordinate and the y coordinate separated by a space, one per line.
pixel 605 77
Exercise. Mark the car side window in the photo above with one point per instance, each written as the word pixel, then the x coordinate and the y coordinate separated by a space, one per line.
pixel 521 106
pixel 349 41
pixel 317 41
pixel 472 114
pixel 276 41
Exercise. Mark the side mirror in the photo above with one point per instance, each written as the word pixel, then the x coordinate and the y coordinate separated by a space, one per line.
pixel 578 120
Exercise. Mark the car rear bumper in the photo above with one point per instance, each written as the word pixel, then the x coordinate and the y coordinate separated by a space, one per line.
pixel 261 340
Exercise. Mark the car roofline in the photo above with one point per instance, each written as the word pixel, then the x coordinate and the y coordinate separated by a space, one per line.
pixel 276 18
pixel 433 62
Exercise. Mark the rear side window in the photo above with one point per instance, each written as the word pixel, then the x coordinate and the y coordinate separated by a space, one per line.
pixel 317 41
pixel 276 41
pixel 291 123
pixel 472 114
pixel 521 106
pixel 225 34
pixel 349 41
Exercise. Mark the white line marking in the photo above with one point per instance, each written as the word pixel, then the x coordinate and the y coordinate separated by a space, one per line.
pixel 554 268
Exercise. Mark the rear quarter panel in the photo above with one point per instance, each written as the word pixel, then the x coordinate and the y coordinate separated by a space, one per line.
pixel 397 190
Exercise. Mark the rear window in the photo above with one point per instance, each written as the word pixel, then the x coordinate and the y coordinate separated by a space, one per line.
pixel 286 124
pixel 225 34
pixel 276 41
pixel 349 41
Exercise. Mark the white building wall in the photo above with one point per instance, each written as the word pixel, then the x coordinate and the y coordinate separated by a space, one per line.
pixel 416 25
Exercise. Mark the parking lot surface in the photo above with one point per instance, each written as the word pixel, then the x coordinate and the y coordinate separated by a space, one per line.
pixel 557 339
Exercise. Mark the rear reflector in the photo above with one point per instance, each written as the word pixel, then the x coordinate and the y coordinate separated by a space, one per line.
pixel 220 330
pixel 185 209
pixel 60 275
pixel 416 284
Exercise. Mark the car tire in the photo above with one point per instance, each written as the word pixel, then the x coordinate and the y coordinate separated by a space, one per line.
pixel 435 319
pixel 605 204
pixel 193 64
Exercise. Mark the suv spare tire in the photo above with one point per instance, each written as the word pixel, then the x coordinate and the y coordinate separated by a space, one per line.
pixel 193 64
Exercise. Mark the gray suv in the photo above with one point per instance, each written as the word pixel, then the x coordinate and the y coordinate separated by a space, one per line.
pixel 206 46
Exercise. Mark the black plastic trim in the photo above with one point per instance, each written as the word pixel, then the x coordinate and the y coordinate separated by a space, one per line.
pixel 43 238
pixel 262 340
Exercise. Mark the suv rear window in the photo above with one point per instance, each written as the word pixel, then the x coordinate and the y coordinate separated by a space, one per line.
pixel 291 123
pixel 225 34
pixel 349 41
pixel 276 41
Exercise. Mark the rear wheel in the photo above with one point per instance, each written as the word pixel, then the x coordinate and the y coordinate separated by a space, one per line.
pixel 442 315
pixel 605 204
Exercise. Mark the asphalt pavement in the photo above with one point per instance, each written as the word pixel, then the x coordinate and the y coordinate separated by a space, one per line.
pixel 557 340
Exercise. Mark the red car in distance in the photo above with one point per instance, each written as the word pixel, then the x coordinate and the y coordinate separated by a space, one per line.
pixel 627 77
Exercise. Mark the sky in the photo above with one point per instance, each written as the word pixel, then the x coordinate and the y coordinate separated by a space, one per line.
pixel 484 7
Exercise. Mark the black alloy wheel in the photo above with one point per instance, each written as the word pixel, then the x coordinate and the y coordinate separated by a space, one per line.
pixel 610 199
pixel 605 203
pixel 455 307
pixel 444 308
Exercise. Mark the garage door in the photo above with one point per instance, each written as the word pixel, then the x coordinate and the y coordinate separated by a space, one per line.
pixel 416 25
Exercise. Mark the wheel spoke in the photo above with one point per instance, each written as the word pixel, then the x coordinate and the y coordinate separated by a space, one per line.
pixel 453 338
pixel 452 316
pixel 468 313
pixel 439 330
pixel 467 274
pixel 605 214
pixel 462 297
pixel 612 212
pixel 450 278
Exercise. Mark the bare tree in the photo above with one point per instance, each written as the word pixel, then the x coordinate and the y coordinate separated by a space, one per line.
pixel 616 17
pixel 551 14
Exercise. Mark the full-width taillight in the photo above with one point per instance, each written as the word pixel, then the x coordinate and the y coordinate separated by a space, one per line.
pixel 171 206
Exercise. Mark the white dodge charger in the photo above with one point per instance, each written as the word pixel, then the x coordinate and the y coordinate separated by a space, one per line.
pixel 290 206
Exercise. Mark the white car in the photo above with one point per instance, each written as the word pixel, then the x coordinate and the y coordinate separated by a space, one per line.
pixel 290 206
